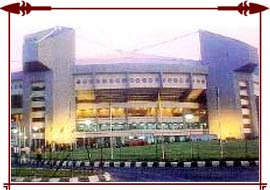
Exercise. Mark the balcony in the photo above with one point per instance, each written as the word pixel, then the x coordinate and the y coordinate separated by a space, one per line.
pixel 246 121
pixel 244 93
pixel 38 114
pixel 38 125
pixel 38 94
pixel 245 111
pixel 36 104
pixel 246 130
pixel 244 102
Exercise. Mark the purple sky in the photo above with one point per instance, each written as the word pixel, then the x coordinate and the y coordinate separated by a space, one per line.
pixel 105 33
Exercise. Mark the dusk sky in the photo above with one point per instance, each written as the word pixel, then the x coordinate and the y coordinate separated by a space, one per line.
pixel 100 33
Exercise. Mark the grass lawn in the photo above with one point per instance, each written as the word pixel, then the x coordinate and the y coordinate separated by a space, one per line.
pixel 177 151
pixel 35 172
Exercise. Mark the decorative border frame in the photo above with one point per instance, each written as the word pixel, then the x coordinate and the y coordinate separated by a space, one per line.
pixel 243 8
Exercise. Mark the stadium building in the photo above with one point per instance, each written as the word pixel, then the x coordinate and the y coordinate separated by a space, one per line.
pixel 56 99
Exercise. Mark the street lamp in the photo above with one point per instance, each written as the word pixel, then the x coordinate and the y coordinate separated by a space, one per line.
pixel 34 135
pixel 24 140
pixel 189 117
pixel 88 123
pixel 15 131
pixel 16 150
pixel 219 127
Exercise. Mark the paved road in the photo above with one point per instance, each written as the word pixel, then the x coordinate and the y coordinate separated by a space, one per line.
pixel 222 174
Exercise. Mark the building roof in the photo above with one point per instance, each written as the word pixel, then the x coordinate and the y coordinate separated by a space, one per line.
pixel 39 36
pixel 136 64
pixel 248 68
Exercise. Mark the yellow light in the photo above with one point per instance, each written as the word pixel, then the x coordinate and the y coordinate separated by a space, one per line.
pixel 60 132
pixel 230 125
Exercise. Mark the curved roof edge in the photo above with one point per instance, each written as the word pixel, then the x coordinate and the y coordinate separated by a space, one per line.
pixel 185 66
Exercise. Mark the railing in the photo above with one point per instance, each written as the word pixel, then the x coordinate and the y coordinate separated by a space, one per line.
pixel 174 151
pixel 140 132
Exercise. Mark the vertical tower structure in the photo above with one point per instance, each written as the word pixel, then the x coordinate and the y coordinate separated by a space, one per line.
pixel 48 57
pixel 233 86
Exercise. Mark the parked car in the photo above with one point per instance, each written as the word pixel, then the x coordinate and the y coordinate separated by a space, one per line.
pixel 136 142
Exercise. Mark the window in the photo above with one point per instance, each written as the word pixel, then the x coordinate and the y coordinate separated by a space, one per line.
pixel 137 80
pixel 144 80
pixel 34 109
pixel 203 81
pixel 124 80
pixel 16 101
pixel 164 79
pixel 38 119
pixel 78 81
pixel 243 87
pixel 198 81
pixel 84 81
pixel 157 79
pixel 131 80
pixel 181 80
pixel 97 81
pixel 150 80
pixel 246 116
pixel 175 80
pixel 104 80
pixel 111 81
pixel 36 99
pixel 245 106
pixel 39 88
pixel 169 80
pixel 117 80
pixel 187 80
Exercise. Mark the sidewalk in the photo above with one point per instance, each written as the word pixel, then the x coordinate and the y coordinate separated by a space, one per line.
pixel 106 177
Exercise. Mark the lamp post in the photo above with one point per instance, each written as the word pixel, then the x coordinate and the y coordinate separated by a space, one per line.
pixel 34 135
pixel 16 149
pixel 189 117
pixel 111 131
pixel 88 123
pixel 162 126
pixel 24 140
pixel 20 136
pixel 219 127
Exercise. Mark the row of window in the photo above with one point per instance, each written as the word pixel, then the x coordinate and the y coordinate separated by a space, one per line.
pixel 139 80
pixel 149 126
pixel 16 86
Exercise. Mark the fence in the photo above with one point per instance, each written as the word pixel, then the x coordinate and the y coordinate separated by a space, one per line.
pixel 177 151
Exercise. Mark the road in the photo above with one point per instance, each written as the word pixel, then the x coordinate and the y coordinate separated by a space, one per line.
pixel 219 174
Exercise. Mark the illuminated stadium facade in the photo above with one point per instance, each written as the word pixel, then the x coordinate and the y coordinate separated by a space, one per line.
pixel 57 100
